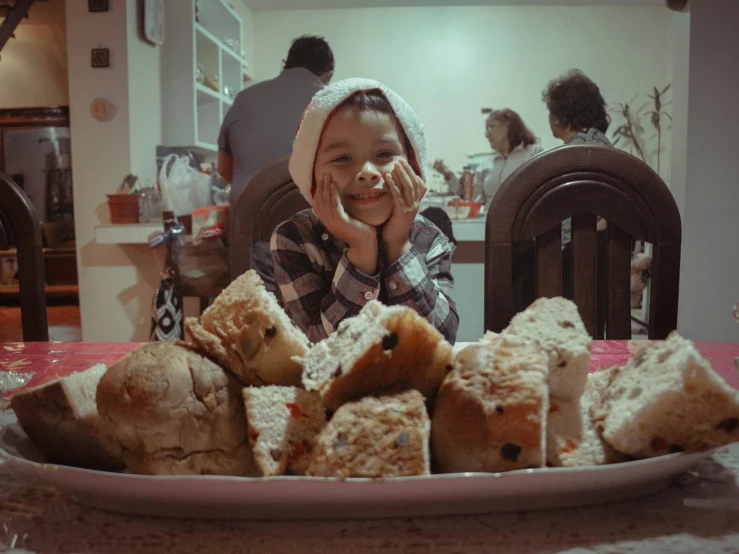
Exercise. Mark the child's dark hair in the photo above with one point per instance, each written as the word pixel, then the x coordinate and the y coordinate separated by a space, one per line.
pixel 374 100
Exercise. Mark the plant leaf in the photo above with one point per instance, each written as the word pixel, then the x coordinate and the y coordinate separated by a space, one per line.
pixel 666 88
pixel 656 92
pixel 667 115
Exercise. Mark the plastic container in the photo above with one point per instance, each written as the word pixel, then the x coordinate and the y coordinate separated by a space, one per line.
pixel 150 205
pixel 124 208
pixel 461 209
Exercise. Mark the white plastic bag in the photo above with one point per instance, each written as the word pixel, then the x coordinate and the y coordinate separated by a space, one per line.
pixel 184 188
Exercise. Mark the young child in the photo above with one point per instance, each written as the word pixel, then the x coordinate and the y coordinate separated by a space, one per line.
pixel 359 158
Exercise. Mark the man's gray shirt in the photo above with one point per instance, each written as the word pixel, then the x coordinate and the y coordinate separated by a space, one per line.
pixel 261 124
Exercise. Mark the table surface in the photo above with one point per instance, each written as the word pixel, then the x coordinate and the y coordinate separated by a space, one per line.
pixel 698 512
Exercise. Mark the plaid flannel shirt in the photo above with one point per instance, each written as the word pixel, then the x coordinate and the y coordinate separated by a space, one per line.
pixel 319 287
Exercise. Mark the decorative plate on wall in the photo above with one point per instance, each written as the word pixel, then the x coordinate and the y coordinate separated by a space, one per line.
pixel 154 21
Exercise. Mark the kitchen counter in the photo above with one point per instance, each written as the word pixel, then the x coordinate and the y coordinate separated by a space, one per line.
pixel 468 270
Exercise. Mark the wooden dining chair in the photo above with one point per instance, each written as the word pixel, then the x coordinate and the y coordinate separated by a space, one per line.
pixel 585 182
pixel 24 229
pixel 268 199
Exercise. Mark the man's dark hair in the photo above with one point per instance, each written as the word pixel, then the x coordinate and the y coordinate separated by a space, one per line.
pixel 576 102
pixel 312 53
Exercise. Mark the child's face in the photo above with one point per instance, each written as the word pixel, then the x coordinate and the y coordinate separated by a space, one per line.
pixel 357 149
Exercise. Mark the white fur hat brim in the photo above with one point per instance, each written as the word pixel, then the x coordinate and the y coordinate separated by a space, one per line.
pixel 324 103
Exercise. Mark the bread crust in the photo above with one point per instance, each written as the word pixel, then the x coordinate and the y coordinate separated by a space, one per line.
pixel 165 403
pixel 247 331
pixel 61 433
pixel 491 411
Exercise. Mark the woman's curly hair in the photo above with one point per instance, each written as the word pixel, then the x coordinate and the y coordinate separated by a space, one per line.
pixel 576 102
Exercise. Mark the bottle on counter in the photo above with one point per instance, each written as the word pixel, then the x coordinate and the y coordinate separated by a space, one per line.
pixel 467 183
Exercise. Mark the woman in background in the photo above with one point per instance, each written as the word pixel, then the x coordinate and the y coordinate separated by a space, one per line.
pixel 513 144
pixel 577 115
pixel 577 110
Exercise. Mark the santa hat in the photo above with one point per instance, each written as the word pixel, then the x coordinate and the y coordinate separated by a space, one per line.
pixel 322 107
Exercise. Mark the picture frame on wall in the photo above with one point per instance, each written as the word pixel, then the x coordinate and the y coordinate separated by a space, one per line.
pixel 100 57
pixel 98 5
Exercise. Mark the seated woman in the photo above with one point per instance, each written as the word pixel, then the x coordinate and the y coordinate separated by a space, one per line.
pixel 513 144
pixel 577 115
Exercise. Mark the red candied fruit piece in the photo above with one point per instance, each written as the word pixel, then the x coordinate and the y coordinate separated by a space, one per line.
pixel 302 448
pixel 295 412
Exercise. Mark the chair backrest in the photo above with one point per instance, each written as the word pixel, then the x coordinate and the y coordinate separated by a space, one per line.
pixel 267 200
pixel 25 227
pixel 585 182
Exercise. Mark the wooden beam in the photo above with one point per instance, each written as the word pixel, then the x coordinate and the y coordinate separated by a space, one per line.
pixel 12 19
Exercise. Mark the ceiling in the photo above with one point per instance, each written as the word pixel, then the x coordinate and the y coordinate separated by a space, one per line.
pixel 264 5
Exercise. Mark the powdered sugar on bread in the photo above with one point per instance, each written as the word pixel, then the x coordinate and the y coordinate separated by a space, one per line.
pixel 572 438
pixel 555 324
pixel 377 436
pixel 668 399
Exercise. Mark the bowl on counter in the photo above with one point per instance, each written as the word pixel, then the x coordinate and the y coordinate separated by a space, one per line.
pixel 462 209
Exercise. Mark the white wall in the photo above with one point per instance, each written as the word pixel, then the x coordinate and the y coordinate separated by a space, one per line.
pixel 33 70
pixel 116 282
pixel 450 62
pixel 144 97
pixel 710 259
pixel 680 90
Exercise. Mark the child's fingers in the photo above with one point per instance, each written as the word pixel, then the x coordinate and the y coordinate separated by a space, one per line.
pixel 331 198
pixel 395 191
pixel 419 187
pixel 336 208
pixel 326 194
pixel 318 203
pixel 406 186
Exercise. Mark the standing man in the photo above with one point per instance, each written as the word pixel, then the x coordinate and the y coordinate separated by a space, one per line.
pixel 261 124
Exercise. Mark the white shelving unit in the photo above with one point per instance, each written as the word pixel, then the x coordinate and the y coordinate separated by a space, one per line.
pixel 192 112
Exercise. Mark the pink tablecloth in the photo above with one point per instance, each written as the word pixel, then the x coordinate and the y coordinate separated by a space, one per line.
pixel 696 513
pixel 49 360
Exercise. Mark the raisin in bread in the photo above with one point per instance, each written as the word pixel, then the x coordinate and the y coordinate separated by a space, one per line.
pixel 555 324
pixel 282 426
pixel 667 399
pixel 61 419
pixel 175 413
pixel 572 438
pixel 382 348
pixel 491 410
pixel 247 331
pixel 377 436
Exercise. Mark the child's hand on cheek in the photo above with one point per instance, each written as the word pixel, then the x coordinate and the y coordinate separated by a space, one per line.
pixel 407 189
pixel 360 237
